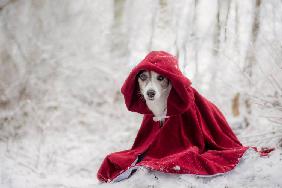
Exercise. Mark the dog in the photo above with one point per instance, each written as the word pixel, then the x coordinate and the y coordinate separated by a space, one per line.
pixel 155 89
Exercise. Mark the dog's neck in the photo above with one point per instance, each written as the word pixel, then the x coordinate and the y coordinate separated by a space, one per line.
pixel 158 107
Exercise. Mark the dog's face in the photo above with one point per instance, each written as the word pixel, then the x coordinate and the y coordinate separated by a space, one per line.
pixel 153 85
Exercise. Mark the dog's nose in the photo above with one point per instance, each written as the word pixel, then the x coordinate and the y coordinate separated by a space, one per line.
pixel 151 93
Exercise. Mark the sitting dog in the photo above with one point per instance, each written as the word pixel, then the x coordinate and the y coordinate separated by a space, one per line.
pixel 155 89
pixel 182 132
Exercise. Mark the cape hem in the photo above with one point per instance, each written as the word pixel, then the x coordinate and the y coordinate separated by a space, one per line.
pixel 125 174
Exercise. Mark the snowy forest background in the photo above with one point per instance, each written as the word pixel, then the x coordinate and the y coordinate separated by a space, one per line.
pixel 62 64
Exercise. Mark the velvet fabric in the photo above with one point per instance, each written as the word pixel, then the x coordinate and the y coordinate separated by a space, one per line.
pixel 194 139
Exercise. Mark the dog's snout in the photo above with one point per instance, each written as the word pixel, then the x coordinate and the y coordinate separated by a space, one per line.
pixel 151 93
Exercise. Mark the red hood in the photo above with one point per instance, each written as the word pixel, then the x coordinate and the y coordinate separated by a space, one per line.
pixel 181 94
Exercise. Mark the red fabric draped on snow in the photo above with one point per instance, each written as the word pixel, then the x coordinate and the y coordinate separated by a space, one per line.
pixel 195 139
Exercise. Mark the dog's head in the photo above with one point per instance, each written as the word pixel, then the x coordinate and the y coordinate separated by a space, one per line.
pixel 153 85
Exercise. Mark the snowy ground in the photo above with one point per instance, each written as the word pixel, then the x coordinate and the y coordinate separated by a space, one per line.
pixel 68 154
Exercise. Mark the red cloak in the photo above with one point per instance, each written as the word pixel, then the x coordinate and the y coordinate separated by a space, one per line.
pixel 194 139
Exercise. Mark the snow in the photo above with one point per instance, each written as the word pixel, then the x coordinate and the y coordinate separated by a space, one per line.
pixel 62 65
pixel 176 167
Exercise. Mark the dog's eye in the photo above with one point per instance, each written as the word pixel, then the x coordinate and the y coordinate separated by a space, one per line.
pixel 160 78
pixel 143 77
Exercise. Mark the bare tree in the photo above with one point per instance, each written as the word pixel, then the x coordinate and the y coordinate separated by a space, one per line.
pixel 119 42
pixel 250 60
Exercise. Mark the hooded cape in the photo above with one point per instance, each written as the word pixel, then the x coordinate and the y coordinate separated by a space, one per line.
pixel 194 139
